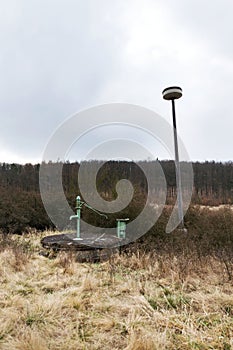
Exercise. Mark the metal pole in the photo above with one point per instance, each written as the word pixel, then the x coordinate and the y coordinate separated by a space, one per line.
pixel 177 164
pixel 78 206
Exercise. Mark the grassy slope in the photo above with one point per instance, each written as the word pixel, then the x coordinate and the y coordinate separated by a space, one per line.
pixel 139 302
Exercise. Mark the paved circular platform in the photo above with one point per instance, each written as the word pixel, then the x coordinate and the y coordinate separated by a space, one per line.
pixel 91 248
pixel 89 241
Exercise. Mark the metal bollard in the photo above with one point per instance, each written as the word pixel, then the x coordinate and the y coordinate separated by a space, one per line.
pixel 121 228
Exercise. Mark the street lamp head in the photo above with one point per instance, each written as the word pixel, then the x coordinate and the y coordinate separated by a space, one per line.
pixel 172 93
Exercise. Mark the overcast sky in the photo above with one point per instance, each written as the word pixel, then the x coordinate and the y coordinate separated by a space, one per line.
pixel 60 57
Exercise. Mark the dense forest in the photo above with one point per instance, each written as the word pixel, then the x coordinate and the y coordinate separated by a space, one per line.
pixel 21 206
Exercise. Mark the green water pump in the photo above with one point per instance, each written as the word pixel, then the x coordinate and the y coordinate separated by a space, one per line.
pixel 121 223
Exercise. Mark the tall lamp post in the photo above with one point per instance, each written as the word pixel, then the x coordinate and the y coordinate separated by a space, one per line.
pixel 171 94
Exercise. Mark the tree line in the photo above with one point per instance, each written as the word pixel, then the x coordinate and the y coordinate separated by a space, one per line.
pixel 21 207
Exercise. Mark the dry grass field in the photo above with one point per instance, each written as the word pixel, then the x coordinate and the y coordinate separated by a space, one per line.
pixel 134 301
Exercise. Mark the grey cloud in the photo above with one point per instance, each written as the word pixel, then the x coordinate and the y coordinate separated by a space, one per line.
pixel 59 57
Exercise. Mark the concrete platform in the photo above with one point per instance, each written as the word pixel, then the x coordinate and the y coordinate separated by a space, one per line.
pixel 89 241
pixel 92 247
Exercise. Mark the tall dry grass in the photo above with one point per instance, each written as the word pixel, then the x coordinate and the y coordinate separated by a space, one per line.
pixel 174 295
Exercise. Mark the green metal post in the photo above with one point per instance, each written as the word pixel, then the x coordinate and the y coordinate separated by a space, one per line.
pixel 78 216
pixel 121 228
pixel 78 207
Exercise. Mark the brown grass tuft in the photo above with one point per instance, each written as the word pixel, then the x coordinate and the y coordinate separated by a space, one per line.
pixel 139 300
